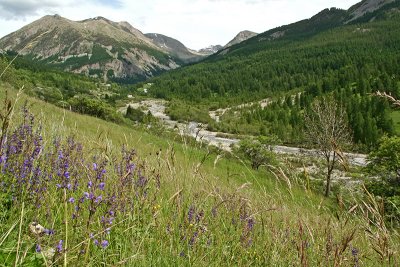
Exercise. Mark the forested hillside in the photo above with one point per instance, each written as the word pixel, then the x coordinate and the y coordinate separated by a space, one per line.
pixel 350 61
pixel 76 92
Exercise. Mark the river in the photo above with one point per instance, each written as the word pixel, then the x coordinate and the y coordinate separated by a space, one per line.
pixel 199 132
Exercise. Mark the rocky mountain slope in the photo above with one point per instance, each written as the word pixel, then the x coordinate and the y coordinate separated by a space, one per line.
pixel 240 37
pixel 97 47
pixel 366 6
pixel 212 49
pixel 174 47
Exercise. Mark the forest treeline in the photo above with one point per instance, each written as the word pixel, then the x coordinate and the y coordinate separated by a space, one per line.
pixel 351 62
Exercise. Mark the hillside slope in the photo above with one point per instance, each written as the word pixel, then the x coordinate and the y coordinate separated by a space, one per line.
pixel 96 47
pixel 161 193
pixel 321 55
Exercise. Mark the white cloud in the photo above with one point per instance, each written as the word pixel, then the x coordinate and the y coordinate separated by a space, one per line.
pixel 196 23
pixel 19 9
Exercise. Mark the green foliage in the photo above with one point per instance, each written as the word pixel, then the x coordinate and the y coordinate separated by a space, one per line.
pixel 86 105
pixel 138 115
pixel 395 116
pixel 5 206
pixel 52 95
pixel 8 76
pixel 181 111
pixel 257 153
pixel 269 140
pixel 85 95
pixel 384 162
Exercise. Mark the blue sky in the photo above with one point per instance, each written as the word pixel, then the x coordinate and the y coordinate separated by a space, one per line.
pixel 196 23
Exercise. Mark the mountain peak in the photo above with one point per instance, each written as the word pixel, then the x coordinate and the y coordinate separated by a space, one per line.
pixel 240 37
pixel 174 47
pixel 210 49
pixel 98 47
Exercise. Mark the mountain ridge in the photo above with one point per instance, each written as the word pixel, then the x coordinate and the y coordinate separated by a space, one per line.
pixel 99 47
pixel 95 47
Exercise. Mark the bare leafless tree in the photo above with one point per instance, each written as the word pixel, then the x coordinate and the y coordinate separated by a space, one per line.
pixel 326 128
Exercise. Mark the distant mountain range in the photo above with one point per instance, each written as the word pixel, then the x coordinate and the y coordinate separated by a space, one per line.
pixel 99 47
pixel 102 48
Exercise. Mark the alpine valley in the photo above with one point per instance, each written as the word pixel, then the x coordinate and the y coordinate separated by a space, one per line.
pixel 279 148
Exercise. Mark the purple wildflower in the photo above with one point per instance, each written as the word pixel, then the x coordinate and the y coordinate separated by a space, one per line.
pixel 250 224
pixel 98 199
pixel 60 246
pixel 193 238
pixel 191 214
pixel 90 184
pixel 49 231
pixel 3 158
pixel 104 243
pixel 71 200
pixel 38 248
pixel 101 186
pixel 199 216
pixel 354 252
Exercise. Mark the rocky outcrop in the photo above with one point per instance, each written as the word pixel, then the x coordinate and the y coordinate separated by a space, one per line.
pixel 240 37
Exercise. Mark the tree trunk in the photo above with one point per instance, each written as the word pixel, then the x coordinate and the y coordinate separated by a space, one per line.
pixel 328 182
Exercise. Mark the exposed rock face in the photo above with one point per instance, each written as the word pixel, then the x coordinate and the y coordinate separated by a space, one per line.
pixel 362 8
pixel 174 47
pixel 96 47
pixel 210 50
pixel 240 37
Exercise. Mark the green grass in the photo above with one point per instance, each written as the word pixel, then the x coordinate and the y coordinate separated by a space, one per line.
pixel 293 226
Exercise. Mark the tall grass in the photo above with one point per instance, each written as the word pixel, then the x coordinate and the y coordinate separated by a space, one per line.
pixel 79 191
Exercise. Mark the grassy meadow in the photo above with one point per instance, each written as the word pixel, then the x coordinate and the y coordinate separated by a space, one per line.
pixel 79 191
